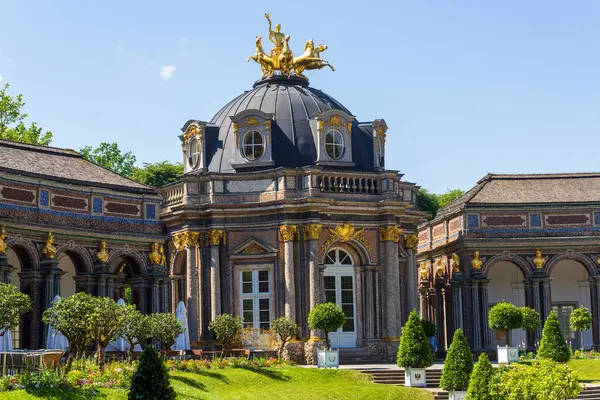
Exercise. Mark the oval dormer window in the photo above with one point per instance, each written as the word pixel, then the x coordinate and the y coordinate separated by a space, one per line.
pixel 194 153
pixel 253 146
pixel 334 144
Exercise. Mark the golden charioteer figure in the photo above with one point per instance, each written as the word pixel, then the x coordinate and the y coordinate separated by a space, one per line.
pixel 282 60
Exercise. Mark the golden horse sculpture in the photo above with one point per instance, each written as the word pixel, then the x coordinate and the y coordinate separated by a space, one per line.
pixel 281 57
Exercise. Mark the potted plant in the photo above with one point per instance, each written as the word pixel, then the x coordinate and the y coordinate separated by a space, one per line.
pixel 581 320
pixel 505 317
pixel 457 367
pixel 327 317
pixel 414 353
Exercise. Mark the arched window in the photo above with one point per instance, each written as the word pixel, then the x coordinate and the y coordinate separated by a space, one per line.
pixel 334 144
pixel 337 257
pixel 194 152
pixel 253 146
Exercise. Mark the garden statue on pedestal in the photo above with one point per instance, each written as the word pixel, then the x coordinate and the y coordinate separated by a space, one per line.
pixel 326 317
pixel 414 354
pixel 457 367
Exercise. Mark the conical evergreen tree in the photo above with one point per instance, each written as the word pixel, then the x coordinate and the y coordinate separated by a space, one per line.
pixel 151 380
pixel 458 365
pixel 414 350
pixel 479 384
pixel 553 345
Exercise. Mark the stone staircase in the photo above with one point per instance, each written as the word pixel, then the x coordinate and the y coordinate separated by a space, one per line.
pixel 359 356
pixel 433 377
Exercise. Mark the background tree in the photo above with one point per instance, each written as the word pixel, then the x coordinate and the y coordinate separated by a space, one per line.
pixel 13 304
pixel 431 202
pixel 459 364
pixel 158 174
pixel 287 329
pixel 109 155
pixel 326 317
pixel 151 380
pixel 12 121
pixel 505 317
pixel 165 328
pixel 552 344
pixel 479 383
pixel 448 197
pixel 531 318
pixel 581 320
pixel 227 329
pixel 69 317
pixel 137 328
pixel 105 322
pixel 414 350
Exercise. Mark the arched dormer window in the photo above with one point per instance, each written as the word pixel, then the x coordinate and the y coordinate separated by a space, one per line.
pixel 332 132
pixel 194 152
pixel 193 145
pixel 253 145
pixel 334 144
pixel 252 130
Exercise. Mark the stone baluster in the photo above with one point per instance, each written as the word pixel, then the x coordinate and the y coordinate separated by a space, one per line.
pixel 287 234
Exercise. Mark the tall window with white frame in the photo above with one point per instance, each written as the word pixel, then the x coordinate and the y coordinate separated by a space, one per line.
pixel 334 144
pixel 255 304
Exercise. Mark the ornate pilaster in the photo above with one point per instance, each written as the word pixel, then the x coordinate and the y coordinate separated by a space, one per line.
pixel 369 275
pixel 215 238
pixel 410 243
pixel 188 241
pixel 390 236
pixel 287 234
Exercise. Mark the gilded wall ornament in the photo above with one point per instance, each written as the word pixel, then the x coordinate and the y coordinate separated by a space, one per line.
pixel 476 262
pixel 155 257
pixel 455 263
pixel 287 233
pixel 192 130
pixel 216 237
pixel 411 242
pixel 539 261
pixel 185 239
pixel 49 250
pixel 3 239
pixel 389 233
pixel 345 233
pixel 253 248
pixel 312 231
pixel 252 122
pixel 424 271
pixel 440 268
pixel 102 254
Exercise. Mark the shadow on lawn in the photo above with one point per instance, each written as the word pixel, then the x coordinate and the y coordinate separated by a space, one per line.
pixel 67 394
pixel 270 373
pixel 190 382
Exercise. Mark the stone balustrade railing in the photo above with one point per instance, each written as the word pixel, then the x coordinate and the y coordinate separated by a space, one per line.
pixel 174 195
pixel 333 183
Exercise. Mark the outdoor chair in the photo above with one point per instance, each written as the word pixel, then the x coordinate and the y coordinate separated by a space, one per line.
pixel 13 362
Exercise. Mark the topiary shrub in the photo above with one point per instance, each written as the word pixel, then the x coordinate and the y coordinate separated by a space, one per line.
pixel 581 320
pixel 414 350
pixel 326 317
pixel 227 329
pixel 287 329
pixel 458 365
pixel 429 327
pixel 505 317
pixel 553 345
pixel 479 383
pixel 531 318
pixel 151 380
pixel 165 328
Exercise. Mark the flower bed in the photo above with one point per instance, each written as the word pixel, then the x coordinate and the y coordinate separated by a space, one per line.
pixel 220 363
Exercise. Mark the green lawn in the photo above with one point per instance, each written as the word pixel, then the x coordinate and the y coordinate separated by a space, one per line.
pixel 288 383
pixel 588 370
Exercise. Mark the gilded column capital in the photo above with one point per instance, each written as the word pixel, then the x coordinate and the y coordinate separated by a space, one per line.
pixel 185 239
pixel 287 233
pixel 411 242
pixel 390 233
pixel 312 231
pixel 216 237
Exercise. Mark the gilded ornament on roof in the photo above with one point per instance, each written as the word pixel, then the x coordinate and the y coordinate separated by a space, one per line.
pixel 281 60
pixel 345 233
pixel 539 261
pixel 2 239
pixel 476 262
pixel 49 250
pixel 102 254
pixel 192 130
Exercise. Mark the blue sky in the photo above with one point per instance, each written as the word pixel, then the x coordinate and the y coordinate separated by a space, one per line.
pixel 466 87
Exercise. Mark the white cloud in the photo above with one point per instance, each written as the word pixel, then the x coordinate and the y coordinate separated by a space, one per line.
pixel 167 72
pixel 120 48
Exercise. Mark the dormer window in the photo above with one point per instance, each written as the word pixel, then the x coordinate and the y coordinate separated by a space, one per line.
pixel 253 146
pixel 334 144
pixel 194 152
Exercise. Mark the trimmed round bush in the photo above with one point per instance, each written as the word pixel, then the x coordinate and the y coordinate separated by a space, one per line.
pixel 326 317
pixel 531 318
pixel 458 365
pixel 479 384
pixel 553 345
pixel 505 317
pixel 414 350
pixel 151 380
pixel 227 329
pixel 287 329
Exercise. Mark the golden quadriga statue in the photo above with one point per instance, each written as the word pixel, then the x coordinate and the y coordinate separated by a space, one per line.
pixel 281 60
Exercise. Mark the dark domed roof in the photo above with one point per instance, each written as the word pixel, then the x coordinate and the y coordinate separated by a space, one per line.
pixel 293 103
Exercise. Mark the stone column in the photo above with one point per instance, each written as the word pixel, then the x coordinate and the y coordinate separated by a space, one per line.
pixel 596 284
pixel 287 234
pixel 378 305
pixel 487 332
pixel 586 301
pixel 188 241
pixel 155 296
pixel 164 296
pixel 457 309
pixel 390 236
pixel 476 315
pixel 312 233
pixel 215 238
pixel 423 289
pixel 537 306
pixel 412 283
pixel 547 298
pixel 370 307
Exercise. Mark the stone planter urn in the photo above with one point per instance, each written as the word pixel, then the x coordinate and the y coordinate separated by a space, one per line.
pixel 507 354
pixel 414 377
pixel 457 395
pixel 328 358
